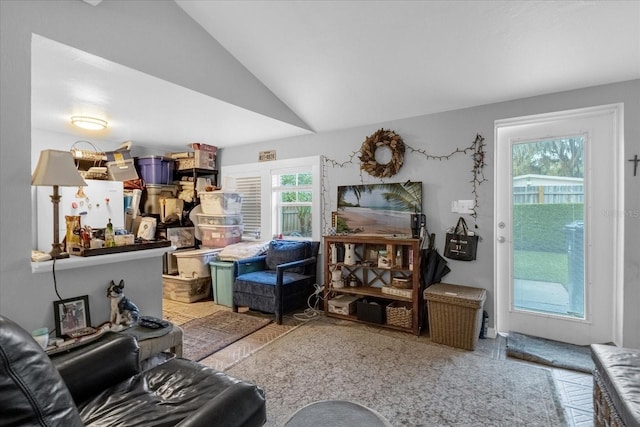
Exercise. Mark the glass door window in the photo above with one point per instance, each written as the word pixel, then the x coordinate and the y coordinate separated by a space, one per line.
pixel 548 226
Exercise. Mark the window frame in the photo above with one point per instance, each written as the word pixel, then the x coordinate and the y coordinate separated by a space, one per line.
pixel 266 171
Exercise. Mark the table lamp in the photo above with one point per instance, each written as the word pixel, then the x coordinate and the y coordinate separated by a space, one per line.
pixel 56 168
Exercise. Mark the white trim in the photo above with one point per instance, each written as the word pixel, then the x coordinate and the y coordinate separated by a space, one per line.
pixel 265 170
pixel 615 111
pixel 74 262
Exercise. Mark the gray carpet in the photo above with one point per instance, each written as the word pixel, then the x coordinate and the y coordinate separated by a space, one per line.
pixel 549 352
pixel 406 379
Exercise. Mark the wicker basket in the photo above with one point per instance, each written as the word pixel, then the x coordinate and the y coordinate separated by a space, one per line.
pixel 399 314
pixel 455 314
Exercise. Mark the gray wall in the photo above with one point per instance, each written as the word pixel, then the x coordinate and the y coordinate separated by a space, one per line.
pixel 444 181
pixel 153 37
pixel 123 32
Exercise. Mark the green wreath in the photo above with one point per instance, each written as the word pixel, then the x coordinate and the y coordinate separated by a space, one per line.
pixel 382 138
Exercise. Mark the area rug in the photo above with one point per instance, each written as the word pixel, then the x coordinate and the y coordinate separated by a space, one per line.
pixel 548 352
pixel 206 335
pixel 408 381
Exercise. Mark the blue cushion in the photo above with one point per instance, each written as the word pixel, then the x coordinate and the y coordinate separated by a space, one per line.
pixel 283 251
pixel 268 277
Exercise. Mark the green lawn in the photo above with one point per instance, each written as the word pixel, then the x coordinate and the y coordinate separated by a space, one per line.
pixel 541 266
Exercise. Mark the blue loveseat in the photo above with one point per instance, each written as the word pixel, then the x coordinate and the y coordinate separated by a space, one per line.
pixel 278 282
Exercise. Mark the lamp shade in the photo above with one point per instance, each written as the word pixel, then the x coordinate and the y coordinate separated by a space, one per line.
pixel 56 167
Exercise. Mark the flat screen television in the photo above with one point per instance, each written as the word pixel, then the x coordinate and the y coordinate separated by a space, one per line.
pixel 378 209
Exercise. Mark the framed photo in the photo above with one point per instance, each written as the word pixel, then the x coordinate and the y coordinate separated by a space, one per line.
pixel 71 314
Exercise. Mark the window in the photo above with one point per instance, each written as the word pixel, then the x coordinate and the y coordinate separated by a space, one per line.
pixel 279 197
pixel 250 188
pixel 292 202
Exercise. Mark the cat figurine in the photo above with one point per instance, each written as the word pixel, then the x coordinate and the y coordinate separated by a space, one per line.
pixel 123 311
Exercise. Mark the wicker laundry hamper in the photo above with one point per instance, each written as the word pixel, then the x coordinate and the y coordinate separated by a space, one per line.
pixel 455 314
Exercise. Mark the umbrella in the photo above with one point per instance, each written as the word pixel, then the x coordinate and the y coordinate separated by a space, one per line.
pixel 433 265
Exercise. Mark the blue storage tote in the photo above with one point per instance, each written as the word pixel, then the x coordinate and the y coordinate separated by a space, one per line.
pixel 155 169
pixel 222 282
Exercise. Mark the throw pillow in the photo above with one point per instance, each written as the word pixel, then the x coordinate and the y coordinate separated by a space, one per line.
pixel 283 251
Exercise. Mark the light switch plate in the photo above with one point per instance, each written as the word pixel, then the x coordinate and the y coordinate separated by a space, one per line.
pixel 462 206
pixel 465 206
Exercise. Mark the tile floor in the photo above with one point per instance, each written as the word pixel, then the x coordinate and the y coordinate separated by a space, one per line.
pixel 575 388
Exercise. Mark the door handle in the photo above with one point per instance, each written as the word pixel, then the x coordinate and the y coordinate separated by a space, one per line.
pixel 501 239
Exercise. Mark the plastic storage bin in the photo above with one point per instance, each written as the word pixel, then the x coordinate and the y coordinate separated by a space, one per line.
pixel 219 236
pixel 180 237
pixel 371 311
pixel 209 219
pixel 343 304
pixel 222 282
pixel 195 263
pixel 455 314
pixel 122 170
pixel 182 289
pixel 155 169
pixel 220 202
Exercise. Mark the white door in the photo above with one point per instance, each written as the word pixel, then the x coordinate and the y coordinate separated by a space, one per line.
pixel 557 224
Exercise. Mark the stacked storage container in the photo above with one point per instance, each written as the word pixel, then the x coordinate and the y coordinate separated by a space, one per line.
pixel 220 222
pixel 193 281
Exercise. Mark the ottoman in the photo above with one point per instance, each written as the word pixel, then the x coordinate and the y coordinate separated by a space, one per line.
pixel 616 386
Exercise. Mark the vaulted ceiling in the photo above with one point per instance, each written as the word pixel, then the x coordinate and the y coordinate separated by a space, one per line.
pixel 340 64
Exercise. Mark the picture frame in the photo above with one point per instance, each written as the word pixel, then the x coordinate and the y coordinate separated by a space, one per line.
pixel 71 314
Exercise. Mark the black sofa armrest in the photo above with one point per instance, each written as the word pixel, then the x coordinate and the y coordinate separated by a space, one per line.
pixel 242 404
pixel 91 368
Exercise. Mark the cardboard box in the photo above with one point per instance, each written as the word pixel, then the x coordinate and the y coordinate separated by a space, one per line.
pixel 204 156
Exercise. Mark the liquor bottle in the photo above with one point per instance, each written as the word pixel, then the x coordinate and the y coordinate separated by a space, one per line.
pixel 109 236
pixel 399 258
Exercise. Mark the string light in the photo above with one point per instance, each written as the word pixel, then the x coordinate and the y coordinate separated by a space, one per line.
pixel 477 148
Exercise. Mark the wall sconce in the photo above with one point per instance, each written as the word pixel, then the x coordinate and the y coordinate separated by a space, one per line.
pixel 91 123
pixel 56 168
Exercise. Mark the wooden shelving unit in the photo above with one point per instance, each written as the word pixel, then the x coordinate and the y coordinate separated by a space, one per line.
pixel 372 277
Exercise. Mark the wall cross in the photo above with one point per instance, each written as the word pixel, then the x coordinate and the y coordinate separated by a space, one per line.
pixel 635 161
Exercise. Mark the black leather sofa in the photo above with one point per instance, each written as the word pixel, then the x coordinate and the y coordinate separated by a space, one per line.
pixel 100 384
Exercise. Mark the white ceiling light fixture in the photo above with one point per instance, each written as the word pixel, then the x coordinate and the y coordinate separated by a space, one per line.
pixel 91 123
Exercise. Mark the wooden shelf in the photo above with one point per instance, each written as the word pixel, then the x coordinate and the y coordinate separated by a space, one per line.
pixel 372 277
pixel 354 318
pixel 369 291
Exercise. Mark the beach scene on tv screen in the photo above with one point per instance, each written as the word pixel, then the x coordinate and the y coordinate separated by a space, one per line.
pixel 378 209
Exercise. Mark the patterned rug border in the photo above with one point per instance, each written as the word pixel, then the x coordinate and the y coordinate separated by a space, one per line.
pixel 215 338
pixel 257 349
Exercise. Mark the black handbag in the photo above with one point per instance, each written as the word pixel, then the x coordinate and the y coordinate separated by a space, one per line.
pixel 459 245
